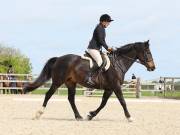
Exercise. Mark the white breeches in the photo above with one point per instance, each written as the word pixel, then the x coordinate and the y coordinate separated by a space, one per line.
pixel 96 56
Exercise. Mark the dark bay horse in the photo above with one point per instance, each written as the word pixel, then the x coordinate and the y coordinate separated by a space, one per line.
pixel 72 69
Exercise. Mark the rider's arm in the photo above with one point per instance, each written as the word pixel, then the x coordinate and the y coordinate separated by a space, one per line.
pixel 101 37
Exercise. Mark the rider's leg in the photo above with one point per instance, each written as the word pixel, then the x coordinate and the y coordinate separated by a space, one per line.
pixel 108 62
pixel 95 54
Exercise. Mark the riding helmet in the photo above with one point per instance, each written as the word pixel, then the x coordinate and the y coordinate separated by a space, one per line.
pixel 106 18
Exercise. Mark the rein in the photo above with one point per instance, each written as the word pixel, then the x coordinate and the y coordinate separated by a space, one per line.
pixel 131 59
pixel 119 64
pixel 115 62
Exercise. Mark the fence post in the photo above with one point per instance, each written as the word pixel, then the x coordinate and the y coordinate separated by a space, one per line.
pixel 1 85
pixel 138 88
pixel 164 87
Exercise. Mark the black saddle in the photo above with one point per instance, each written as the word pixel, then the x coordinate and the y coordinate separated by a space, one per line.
pixel 95 65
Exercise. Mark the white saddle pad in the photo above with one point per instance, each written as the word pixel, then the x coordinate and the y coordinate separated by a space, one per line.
pixel 91 61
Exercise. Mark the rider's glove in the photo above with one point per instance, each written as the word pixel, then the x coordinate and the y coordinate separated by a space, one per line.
pixel 110 50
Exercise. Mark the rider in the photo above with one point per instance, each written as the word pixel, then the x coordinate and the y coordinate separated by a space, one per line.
pixel 97 41
pixel 10 70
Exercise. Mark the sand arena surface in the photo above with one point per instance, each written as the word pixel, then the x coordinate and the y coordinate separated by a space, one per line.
pixel 152 117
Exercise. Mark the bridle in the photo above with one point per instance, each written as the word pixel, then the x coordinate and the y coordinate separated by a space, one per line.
pixel 147 58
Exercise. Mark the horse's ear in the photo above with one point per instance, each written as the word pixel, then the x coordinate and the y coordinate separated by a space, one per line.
pixel 147 43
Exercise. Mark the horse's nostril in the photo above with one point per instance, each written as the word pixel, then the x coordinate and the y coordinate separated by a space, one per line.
pixel 153 68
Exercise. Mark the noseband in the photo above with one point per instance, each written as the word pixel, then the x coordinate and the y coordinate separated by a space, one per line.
pixel 147 57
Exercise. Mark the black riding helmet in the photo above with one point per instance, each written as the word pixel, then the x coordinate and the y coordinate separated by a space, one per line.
pixel 106 18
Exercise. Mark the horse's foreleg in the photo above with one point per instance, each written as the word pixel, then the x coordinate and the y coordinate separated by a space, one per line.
pixel 106 95
pixel 119 95
pixel 47 97
pixel 71 98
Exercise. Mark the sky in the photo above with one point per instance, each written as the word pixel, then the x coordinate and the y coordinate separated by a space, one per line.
pixel 42 29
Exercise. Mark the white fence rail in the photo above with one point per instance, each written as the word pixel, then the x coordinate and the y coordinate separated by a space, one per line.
pixel 133 88
pixel 27 78
pixel 23 79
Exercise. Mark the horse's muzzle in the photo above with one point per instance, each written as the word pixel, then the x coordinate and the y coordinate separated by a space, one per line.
pixel 151 68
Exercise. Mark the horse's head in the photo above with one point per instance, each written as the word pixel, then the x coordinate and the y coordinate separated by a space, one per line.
pixel 144 55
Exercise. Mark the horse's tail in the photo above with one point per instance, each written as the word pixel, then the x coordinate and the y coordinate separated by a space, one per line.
pixel 43 77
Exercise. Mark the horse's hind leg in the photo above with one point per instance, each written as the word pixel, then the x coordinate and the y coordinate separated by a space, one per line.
pixel 106 95
pixel 48 95
pixel 71 97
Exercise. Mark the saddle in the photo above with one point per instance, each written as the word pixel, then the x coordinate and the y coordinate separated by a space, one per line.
pixel 92 62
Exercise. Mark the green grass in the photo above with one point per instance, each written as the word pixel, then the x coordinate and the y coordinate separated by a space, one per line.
pixel 39 91
pixel 78 92
pixel 63 91
pixel 168 94
pixel 59 92
pixel 148 93
pixel 174 95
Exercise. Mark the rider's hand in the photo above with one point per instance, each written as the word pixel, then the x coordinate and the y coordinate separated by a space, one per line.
pixel 110 50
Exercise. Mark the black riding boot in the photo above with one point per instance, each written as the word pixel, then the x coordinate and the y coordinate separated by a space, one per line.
pixel 90 80
pixel 90 77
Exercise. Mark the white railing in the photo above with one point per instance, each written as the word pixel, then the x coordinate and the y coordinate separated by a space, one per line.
pixel 29 79
pixel 135 91
pixel 133 88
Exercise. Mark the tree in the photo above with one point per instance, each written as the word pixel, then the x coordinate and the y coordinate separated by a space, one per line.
pixel 12 56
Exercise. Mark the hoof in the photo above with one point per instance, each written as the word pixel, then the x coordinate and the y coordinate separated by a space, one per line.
pixel 130 119
pixel 35 118
pixel 38 115
pixel 79 118
pixel 89 117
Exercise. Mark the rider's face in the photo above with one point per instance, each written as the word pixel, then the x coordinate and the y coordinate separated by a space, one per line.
pixel 105 24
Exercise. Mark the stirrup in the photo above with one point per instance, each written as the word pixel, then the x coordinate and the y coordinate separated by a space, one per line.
pixel 101 69
pixel 90 81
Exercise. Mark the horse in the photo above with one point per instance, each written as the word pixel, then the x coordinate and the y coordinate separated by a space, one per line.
pixel 72 69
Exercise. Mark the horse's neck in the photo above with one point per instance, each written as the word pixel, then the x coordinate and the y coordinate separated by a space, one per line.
pixel 127 60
